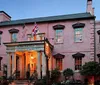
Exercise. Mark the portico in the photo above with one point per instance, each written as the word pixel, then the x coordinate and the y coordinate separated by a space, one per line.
pixel 26 56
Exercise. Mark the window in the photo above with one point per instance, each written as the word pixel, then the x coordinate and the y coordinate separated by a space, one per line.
pixel 14 37
pixel 0 36
pixel 0 62
pixel 78 34
pixel 59 64
pixel 0 39
pixel 99 35
pixel 78 63
pixel 13 33
pixel 59 36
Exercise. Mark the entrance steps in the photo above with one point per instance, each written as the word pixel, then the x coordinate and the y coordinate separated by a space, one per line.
pixel 21 82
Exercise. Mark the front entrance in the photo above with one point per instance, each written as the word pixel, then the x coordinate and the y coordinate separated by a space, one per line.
pixel 26 63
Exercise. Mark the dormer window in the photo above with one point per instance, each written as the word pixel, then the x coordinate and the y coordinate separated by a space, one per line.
pixel 14 33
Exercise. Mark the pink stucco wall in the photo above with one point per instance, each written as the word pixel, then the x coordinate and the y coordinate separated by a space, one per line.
pixel 68 48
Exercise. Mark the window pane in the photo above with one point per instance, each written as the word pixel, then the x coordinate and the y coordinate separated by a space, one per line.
pixel 14 37
pixel 78 34
pixel 78 63
pixel 59 64
pixel 59 36
pixel 0 39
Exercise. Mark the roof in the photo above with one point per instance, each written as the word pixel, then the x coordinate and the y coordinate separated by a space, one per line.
pixel 49 19
pixel 5 13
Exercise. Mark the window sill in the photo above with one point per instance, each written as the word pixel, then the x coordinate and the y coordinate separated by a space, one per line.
pixel 58 43
pixel 77 71
pixel 78 41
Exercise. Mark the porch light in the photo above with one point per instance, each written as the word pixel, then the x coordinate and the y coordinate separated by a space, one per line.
pixel 32 57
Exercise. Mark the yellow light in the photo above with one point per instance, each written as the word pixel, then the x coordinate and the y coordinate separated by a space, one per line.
pixel 32 57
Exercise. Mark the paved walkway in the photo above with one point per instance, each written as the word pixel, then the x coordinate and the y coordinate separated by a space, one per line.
pixel 13 83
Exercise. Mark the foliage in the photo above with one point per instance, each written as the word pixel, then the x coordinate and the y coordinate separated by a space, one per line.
pixel 90 69
pixel 68 72
pixel 55 74
pixel 1 78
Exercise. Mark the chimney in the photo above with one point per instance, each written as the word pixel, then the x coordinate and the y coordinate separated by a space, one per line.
pixel 4 16
pixel 89 7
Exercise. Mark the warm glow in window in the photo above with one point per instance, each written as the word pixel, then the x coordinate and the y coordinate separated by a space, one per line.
pixel 59 64
pixel 78 63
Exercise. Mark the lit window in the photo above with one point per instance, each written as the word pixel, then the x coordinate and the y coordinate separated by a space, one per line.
pixel 78 63
pixel 59 64
pixel 78 34
pixel 59 36
pixel 14 37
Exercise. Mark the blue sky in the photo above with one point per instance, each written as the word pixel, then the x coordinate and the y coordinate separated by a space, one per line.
pixel 21 9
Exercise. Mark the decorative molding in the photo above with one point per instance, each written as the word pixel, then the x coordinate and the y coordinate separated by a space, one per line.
pixel 58 27
pixel 78 25
pixel 59 56
pixel 98 32
pixel 77 55
pixel 13 31
pixel 1 32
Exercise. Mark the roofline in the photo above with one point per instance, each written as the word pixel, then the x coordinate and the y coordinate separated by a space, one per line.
pixel 5 13
pixel 39 19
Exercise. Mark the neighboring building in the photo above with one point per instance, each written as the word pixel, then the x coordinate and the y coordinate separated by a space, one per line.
pixel 70 44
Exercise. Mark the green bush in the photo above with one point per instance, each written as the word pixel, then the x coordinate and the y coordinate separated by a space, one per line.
pixel 55 74
pixel 68 72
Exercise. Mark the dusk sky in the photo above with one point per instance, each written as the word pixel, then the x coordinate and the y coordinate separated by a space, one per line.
pixel 21 9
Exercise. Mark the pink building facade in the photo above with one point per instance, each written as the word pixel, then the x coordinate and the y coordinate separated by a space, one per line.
pixel 71 42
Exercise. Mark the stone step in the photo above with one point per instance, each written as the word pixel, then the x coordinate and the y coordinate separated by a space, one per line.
pixel 21 81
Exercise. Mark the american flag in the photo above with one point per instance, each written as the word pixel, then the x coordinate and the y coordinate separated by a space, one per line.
pixel 35 29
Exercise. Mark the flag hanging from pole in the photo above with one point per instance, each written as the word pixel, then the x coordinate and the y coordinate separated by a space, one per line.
pixel 35 30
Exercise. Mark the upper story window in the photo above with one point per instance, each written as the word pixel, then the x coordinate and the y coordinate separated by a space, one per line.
pixel 78 32
pixel 14 37
pixel 59 36
pixel 59 31
pixel 14 33
pixel 99 35
pixel 78 60
pixel 0 37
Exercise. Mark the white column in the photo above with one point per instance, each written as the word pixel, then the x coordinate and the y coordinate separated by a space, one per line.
pixel 13 62
pixel 9 65
pixel 38 64
pixel 43 64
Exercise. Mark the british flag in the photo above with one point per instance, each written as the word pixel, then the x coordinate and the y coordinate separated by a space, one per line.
pixel 35 29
